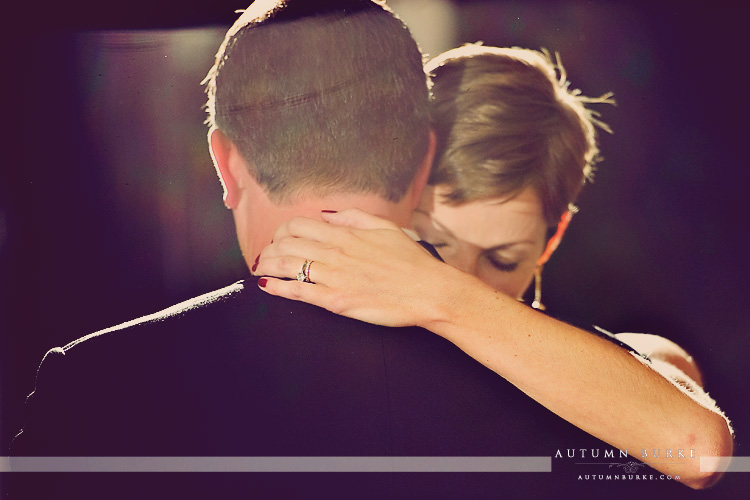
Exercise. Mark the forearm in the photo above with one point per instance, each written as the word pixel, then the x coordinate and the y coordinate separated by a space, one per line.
pixel 584 379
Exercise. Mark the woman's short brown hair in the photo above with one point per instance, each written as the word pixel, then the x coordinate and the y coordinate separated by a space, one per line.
pixel 505 119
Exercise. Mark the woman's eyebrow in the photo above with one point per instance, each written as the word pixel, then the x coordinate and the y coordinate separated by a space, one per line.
pixel 505 246
pixel 494 249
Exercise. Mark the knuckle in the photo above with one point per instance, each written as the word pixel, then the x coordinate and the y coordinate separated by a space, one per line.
pixel 280 231
pixel 282 245
pixel 294 225
pixel 285 264
pixel 295 291
pixel 333 257
pixel 338 303
pixel 335 304
pixel 266 252
pixel 334 275
pixel 337 235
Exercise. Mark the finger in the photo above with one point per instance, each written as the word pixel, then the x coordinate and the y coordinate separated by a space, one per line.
pixel 286 266
pixel 311 229
pixel 295 290
pixel 358 219
pixel 298 247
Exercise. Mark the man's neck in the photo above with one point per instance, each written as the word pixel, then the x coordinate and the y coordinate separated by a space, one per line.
pixel 399 213
pixel 257 224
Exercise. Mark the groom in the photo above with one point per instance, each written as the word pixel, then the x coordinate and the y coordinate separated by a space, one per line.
pixel 312 106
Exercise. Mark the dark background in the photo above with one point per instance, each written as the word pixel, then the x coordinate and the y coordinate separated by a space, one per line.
pixel 110 209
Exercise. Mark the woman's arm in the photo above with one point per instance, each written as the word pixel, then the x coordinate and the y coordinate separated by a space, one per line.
pixel 372 271
pixel 589 381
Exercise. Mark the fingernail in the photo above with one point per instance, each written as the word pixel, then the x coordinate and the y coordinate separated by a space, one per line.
pixel 330 211
pixel 255 265
pixel 262 282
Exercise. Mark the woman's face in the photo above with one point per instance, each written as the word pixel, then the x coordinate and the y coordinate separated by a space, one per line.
pixel 498 240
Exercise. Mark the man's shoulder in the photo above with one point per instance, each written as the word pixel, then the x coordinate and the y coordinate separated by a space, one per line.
pixel 207 367
pixel 214 303
pixel 240 309
pixel 229 334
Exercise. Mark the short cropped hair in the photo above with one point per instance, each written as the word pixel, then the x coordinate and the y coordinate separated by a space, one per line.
pixel 322 97
pixel 506 119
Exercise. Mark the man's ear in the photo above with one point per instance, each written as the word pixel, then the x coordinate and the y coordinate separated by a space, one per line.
pixel 224 153
pixel 420 180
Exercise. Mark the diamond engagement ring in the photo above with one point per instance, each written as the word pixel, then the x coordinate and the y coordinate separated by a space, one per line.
pixel 304 275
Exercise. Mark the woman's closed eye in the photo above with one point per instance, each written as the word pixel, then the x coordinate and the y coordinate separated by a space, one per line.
pixel 502 265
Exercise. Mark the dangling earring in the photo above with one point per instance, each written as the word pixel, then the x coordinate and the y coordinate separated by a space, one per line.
pixel 537 304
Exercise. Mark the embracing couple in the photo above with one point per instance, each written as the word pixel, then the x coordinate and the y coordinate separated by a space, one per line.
pixel 374 206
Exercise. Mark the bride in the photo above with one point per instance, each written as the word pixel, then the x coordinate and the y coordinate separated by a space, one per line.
pixel 515 145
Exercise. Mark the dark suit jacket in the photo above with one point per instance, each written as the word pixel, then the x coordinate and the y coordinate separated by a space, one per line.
pixel 238 372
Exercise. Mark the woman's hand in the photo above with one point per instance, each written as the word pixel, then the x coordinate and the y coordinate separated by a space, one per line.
pixel 363 267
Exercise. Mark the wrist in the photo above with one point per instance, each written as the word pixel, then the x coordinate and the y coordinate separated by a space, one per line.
pixel 447 299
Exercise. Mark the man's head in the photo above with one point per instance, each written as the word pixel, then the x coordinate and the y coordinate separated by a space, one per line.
pixel 316 101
